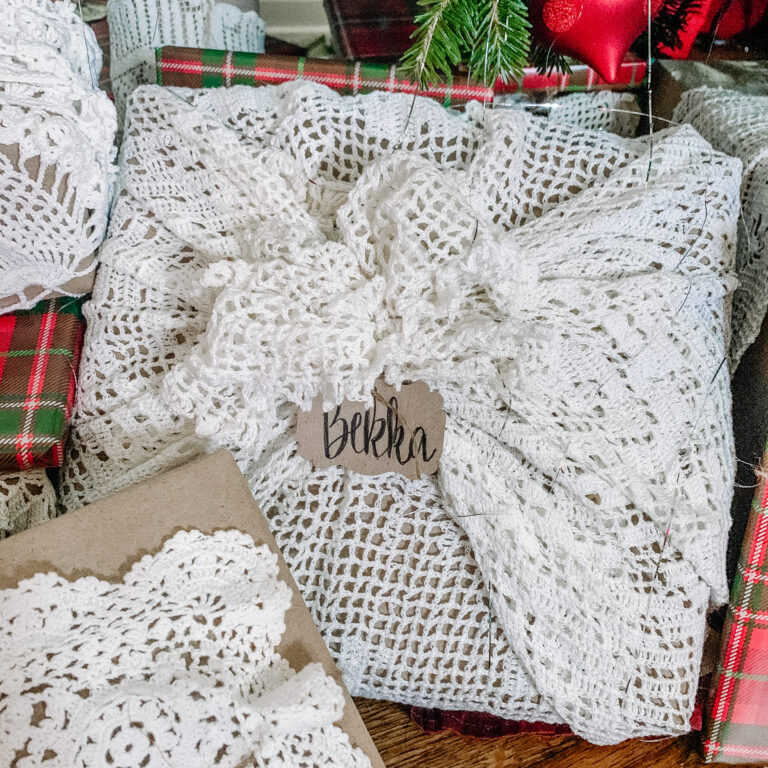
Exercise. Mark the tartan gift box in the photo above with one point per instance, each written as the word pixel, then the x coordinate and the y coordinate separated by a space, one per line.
pixel 206 68
pixel 737 727
pixel 39 354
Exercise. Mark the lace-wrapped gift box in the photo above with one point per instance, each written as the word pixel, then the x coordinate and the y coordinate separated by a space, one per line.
pixel 270 244
pixel 209 596
pixel 39 354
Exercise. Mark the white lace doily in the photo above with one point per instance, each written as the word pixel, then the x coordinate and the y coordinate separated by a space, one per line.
pixel 26 499
pixel 271 244
pixel 137 27
pixel 737 124
pixel 175 666
pixel 614 111
pixel 56 151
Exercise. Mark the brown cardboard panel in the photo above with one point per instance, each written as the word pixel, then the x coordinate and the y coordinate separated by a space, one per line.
pixel 401 432
pixel 106 538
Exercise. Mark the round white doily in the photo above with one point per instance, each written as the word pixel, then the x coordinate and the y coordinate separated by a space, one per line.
pixel 175 666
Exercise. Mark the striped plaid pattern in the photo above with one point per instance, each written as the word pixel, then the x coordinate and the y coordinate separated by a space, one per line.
pixel 581 78
pixel 206 68
pixel 39 353
pixel 737 729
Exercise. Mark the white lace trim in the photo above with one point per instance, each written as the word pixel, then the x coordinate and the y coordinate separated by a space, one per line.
pixel 177 665
pixel 137 27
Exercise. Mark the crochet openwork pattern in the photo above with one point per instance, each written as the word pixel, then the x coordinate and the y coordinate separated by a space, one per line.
pixel 137 27
pixel 26 499
pixel 56 152
pixel 737 124
pixel 177 665
pixel 565 293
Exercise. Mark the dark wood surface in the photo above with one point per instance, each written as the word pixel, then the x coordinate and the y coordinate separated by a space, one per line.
pixel 402 744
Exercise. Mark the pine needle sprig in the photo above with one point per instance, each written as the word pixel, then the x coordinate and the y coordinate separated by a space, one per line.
pixel 671 20
pixel 442 33
pixel 492 37
pixel 501 42
pixel 548 61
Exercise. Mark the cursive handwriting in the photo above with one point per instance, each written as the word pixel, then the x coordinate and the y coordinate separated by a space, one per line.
pixel 371 433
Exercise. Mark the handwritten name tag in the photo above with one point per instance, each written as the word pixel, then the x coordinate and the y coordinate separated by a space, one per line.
pixel 401 432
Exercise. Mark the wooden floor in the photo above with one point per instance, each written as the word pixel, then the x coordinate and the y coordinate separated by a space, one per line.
pixel 402 744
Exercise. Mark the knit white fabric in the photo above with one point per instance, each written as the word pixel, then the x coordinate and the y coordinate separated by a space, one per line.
pixel 137 27
pixel 737 124
pixel 26 499
pixel 177 665
pixel 271 244
pixel 56 150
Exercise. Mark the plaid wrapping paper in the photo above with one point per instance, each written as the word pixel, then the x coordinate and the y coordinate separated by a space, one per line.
pixel 581 78
pixel 39 353
pixel 206 68
pixel 737 723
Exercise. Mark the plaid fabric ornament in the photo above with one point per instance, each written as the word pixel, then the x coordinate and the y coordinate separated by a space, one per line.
pixel 206 68
pixel 737 728
pixel 39 354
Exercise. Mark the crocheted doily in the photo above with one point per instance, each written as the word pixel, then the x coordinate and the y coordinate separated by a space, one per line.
pixel 56 151
pixel 737 124
pixel 565 294
pixel 177 665
pixel 137 27
pixel 26 499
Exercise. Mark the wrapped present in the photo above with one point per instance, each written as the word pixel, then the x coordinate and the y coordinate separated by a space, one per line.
pixel 39 353
pixel 737 727
pixel 205 68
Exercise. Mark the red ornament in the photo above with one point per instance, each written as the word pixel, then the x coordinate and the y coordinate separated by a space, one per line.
pixel 597 32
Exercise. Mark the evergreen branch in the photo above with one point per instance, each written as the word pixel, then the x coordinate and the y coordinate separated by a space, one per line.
pixel 671 20
pixel 502 41
pixel 439 40
pixel 491 36
pixel 548 61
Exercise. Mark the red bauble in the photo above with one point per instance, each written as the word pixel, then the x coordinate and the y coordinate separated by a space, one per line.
pixel 597 32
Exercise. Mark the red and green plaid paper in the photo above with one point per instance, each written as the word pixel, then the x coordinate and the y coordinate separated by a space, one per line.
pixel 206 68
pixel 39 353
pixel 737 729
